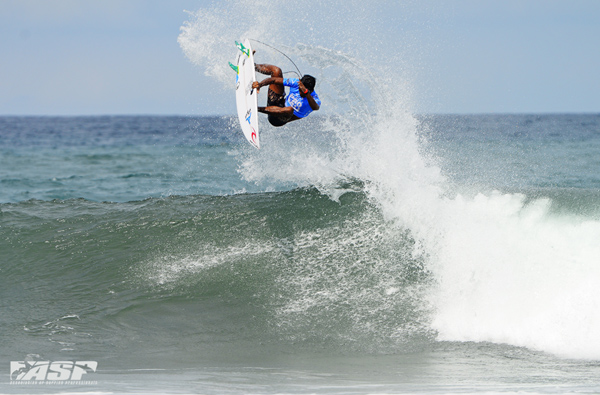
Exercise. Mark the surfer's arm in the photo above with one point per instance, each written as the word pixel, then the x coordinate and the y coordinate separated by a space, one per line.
pixel 267 81
pixel 312 102
pixel 305 93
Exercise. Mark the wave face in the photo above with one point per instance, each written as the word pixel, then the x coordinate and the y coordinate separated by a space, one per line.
pixel 288 269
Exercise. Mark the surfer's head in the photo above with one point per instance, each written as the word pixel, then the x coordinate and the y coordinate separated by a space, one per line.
pixel 309 82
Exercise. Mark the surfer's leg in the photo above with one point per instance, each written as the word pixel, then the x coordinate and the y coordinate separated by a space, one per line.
pixel 273 71
pixel 268 69
pixel 278 116
pixel 278 113
pixel 275 110
pixel 274 98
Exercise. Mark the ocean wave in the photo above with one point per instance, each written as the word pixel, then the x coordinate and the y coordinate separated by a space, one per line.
pixel 314 270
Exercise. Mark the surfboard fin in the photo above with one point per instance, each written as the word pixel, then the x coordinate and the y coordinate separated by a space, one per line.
pixel 242 48
pixel 234 67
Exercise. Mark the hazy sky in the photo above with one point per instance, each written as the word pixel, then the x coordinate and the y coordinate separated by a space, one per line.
pixel 85 57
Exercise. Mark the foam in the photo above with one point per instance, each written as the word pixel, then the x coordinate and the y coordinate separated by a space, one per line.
pixel 511 272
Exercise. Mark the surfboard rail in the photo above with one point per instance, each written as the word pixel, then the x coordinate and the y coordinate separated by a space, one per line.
pixel 246 97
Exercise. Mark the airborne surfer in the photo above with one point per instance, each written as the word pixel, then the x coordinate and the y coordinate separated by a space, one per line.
pixel 299 103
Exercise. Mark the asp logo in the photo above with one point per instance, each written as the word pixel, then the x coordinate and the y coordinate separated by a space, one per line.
pixel 22 372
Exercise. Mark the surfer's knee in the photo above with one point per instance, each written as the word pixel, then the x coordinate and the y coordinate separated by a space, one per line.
pixel 277 72
pixel 269 69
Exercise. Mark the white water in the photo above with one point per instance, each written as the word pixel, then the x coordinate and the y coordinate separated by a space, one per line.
pixel 507 270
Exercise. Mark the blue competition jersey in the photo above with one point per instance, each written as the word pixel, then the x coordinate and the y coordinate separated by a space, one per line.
pixel 293 99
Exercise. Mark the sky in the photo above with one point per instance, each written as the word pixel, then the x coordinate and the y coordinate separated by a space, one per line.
pixel 93 57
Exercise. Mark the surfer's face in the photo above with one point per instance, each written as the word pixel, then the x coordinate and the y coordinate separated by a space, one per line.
pixel 309 82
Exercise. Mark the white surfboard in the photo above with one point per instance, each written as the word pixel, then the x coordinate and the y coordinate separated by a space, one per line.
pixel 246 98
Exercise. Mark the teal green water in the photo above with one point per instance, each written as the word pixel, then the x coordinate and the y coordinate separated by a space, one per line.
pixel 183 260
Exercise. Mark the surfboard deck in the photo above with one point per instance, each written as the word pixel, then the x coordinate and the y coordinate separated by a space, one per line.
pixel 246 98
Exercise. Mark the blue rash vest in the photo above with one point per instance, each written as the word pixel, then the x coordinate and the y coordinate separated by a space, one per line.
pixel 299 103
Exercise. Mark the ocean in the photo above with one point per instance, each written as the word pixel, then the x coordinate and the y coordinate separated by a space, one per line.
pixel 409 254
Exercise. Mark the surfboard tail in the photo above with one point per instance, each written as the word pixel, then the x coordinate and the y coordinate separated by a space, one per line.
pixel 242 48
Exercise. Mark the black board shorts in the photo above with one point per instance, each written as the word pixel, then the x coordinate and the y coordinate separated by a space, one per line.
pixel 275 99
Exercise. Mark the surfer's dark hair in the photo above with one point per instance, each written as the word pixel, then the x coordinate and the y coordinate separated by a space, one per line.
pixel 309 82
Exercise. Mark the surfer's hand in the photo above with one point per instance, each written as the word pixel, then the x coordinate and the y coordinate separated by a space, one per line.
pixel 302 89
pixel 256 85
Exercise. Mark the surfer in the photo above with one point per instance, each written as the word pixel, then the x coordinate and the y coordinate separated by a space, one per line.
pixel 301 101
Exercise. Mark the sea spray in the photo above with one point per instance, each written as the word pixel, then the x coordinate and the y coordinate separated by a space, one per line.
pixel 207 38
pixel 505 268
